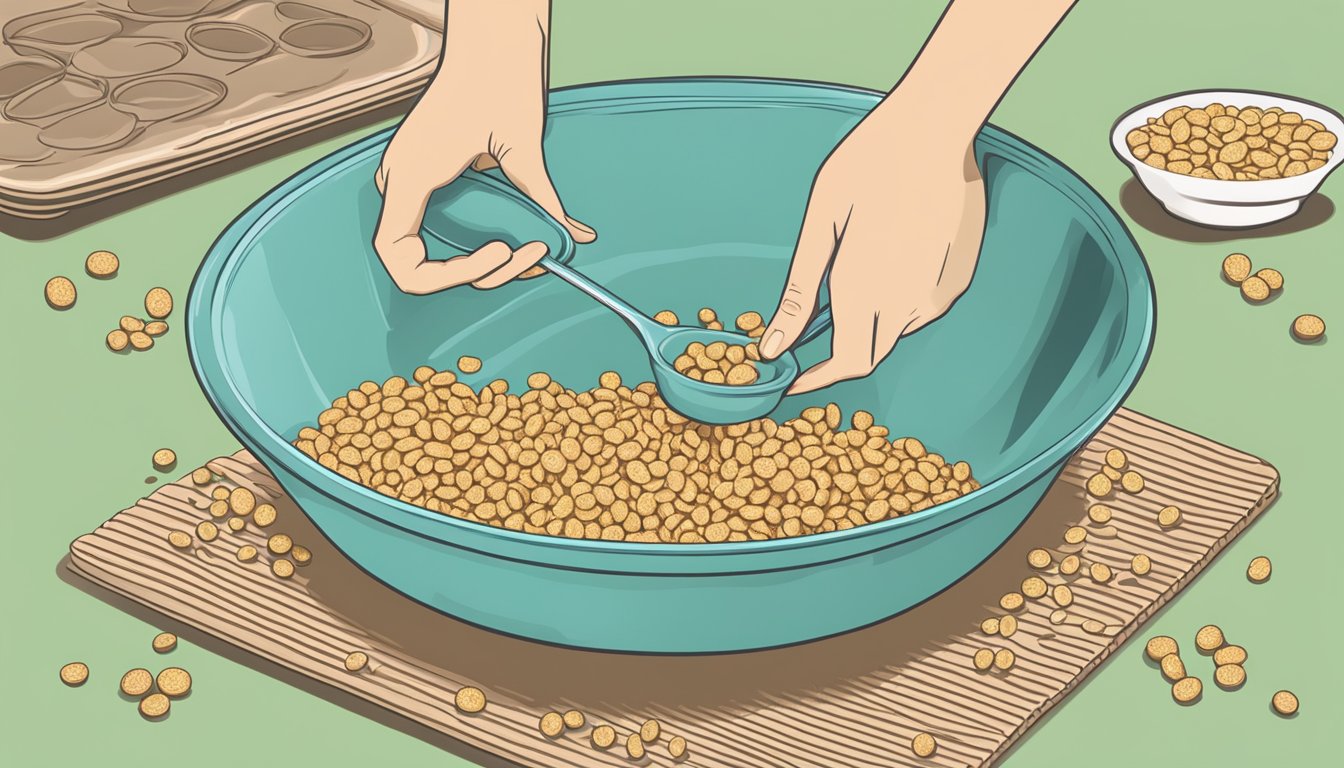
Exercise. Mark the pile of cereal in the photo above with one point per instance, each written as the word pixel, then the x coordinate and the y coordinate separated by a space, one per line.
pixel 1231 143
pixel 616 464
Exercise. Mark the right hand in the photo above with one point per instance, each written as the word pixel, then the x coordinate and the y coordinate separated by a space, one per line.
pixel 490 115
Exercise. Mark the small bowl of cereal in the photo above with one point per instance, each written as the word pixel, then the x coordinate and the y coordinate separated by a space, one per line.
pixel 1229 159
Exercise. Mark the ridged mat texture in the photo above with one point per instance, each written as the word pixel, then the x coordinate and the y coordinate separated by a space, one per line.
pixel 854 700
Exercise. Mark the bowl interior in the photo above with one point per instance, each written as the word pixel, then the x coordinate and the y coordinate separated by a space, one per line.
pixel 698 203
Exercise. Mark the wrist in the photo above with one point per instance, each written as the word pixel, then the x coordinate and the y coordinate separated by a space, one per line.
pixel 502 43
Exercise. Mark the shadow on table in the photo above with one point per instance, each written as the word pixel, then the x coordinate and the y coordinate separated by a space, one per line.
pixel 92 213
pixel 1144 209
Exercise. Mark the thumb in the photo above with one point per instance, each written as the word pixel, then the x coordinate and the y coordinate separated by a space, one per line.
pixel 816 246
pixel 527 171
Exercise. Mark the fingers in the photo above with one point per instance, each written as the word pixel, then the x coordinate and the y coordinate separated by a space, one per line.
pixel 527 171
pixel 856 350
pixel 519 261
pixel 816 246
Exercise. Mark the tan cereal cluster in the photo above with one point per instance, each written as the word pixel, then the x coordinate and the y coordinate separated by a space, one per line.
pixel 720 362
pixel 137 333
pixel 616 464
pixel 1232 144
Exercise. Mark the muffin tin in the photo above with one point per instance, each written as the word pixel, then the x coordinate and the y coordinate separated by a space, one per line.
pixel 108 95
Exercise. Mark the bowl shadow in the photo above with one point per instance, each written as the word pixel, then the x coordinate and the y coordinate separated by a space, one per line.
pixel 1148 213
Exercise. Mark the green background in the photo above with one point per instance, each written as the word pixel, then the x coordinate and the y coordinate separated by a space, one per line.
pixel 80 423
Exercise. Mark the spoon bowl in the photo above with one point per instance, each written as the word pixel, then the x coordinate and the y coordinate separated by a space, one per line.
pixel 719 403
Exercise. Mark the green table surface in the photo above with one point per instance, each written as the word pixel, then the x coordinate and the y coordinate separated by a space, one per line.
pixel 80 423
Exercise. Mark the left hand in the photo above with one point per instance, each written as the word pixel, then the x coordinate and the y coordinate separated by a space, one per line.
pixel 898 213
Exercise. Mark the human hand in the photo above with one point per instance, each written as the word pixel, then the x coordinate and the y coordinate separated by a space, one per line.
pixel 900 231
pixel 485 108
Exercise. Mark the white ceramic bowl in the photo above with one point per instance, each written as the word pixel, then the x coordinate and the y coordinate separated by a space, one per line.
pixel 1219 203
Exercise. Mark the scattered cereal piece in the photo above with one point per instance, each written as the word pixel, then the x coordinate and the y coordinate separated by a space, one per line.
pixel 983 659
pixel 1007 626
pixel 1236 267
pixel 117 340
pixel 1169 517
pixel 1099 485
pixel 1186 690
pixel 1058 616
pixel 551 724
pixel 1132 482
pixel 156 328
pixel 237 524
pixel 1012 601
pixel 1259 569
pixel 574 719
pixel 1034 587
pixel 219 493
pixel 1285 703
pixel 1308 327
pixel 1160 646
pixel 1075 535
pixel 74 673
pixel 243 502
pixel 282 568
pixel 131 324
pixel 1172 667
pixel 179 539
pixel 1070 565
pixel 163 642
pixel 649 730
pixel 137 682
pixel 279 544
pixel 102 264
pixel 1140 565
pixel 1116 459
pixel 263 515
pixel 164 459
pixel 159 303
pixel 469 700
pixel 1209 638
pixel 603 736
pixel 174 682
pixel 1093 627
pixel 634 746
pixel 247 553
pixel 1003 659
pixel 923 745
pixel 60 293
pixel 1229 677
pixel 301 555
pixel 1039 558
pixel 748 321
pixel 706 315
pixel 468 364
pixel 202 476
pixel 1229 654
pixel 667 317
pixel 1100 572
pixel 1272 277
pixel 990 626
pixel 1063 595
pixel 356 660
pixel 141 340
pixel 1255 289
pixel 676 747
pixel 154 706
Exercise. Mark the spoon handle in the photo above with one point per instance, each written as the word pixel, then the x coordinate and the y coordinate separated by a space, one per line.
pixel 645 326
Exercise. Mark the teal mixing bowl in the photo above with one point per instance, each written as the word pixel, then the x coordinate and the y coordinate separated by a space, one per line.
pixel 697 187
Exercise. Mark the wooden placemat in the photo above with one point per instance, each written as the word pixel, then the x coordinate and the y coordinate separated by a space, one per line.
pixel 854 700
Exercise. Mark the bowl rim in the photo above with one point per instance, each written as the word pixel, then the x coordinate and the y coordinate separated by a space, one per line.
pixel 1120 128
pixel 205 350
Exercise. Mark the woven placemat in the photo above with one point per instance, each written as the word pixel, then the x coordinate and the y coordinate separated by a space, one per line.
pixel 854 700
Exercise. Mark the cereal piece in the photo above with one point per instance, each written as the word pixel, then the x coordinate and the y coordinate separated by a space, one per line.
pixel 102 264
pixel 1308 327
pixel 1169 517
pixel 609 380
pixel 469 699
pixel 666 317
pixel 1186 690
pixel 1039 558
pixel 741 374
pixel 1100 572
pixel 242 502
pixel 1259 569
pixel 264 515
pixel 136 682
pixel 990 626
pixel 279 544
pixel 1285 703
pixel 468 364
pixel 1272 277
pixel 1140 565
pixel 117 340
pixel 1012 601
pixel 676 747
pixel 301 555
pixel 156 328
pixel 983 659
pixel 603 736
pixel 247 553
pixel 202 476
pixel 237 524
pixel 1255 289
pixel 1070 565
pixel 1004 659
pixel 1112 474
pixel 1007 626
pixel 649 730
pixel 1209 638
pixel 356 660
pixel 706 315
pixel 1229 654
pixel 1099 485
pixel 1132 482
pixel 1093 627
pixel 75 673
pixel 282 568
pixel 1099 514
pixel 154 706
pixel 1160 646
pixel 1229 677
pixel 1075 535
pixel 574 719
pixel 536 270
pixel 164 642
pixel 1034 587
pixel 164 459
pixel 174 682
pixel 1058 616
pixel 141 341
pixel 207 531
pixel 1063 595
pixel 159 303
pixel 131 324
pixel 179 539
pixel 634 746
pixel 748 321
pixel 551 725
pixel 220 493
pixel 541 380
pixel 923 745
pixel 1172 667
pixel 60 292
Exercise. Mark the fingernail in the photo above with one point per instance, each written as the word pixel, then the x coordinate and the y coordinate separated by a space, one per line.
pixel 773 341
